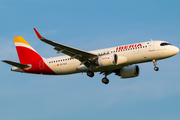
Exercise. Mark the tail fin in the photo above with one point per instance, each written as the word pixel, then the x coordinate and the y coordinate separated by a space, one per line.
pixel 25 52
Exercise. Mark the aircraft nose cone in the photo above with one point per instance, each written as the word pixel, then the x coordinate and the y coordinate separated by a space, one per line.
pixel 176 50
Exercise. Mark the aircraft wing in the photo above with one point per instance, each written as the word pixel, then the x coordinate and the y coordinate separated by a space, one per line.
pixel 19 65
pixel 83 56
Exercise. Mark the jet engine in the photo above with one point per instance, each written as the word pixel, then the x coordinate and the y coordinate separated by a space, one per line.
pixel 107 60
pixel 129 72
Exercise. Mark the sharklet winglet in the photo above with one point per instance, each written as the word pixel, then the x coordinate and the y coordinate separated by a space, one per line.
pixel 37 33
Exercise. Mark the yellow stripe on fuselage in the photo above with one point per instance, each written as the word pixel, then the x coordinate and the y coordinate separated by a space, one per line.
pixel 20 40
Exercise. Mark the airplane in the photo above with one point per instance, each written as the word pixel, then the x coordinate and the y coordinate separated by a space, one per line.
pixel 119 60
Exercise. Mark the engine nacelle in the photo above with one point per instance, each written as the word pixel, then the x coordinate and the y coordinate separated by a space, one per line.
pixel 129 72
pixel 107 60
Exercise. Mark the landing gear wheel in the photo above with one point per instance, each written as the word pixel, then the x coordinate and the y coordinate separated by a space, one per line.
pixel 90 74
pixel 105 80
pixel 156 68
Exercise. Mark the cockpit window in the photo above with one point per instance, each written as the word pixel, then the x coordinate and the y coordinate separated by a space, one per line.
pixel 164 44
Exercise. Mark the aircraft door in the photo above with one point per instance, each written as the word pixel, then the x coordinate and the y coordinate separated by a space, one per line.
pixel 41 64
pixel 151 46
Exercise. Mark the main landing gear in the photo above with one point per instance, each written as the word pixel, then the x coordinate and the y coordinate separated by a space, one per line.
pixel 105 80
pixel 90 74
pixel 106 73
pixel 155 67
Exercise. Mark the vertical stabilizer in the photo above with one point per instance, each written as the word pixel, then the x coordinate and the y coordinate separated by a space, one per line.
pixel 25 52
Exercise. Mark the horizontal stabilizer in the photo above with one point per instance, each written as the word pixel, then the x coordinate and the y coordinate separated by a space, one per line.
pixel 19 65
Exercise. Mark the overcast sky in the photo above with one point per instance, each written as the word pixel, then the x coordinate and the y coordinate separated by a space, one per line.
pixel 89 25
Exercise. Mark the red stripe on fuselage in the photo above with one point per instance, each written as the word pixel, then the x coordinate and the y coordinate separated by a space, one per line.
pixel 39 67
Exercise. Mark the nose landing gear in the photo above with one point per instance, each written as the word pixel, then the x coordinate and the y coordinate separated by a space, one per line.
pixel 105 80
pixel 155 67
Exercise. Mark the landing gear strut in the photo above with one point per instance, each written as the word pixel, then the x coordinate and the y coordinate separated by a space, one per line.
pixel 106 73
pixel 105 80
pixel 155 67
pixel 90 74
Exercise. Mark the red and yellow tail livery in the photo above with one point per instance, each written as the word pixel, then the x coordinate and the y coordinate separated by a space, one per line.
pixel 25 52
pixel 30 60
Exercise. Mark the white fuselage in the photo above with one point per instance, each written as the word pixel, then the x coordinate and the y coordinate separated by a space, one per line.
pixel 148 51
